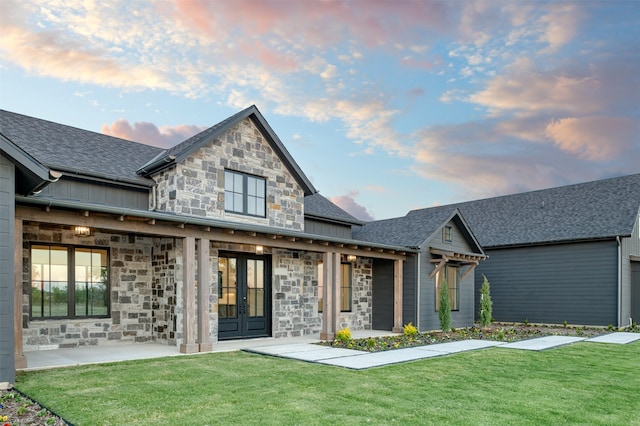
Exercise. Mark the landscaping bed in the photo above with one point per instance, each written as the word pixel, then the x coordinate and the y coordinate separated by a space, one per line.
pixel 16 410
pixel 496 332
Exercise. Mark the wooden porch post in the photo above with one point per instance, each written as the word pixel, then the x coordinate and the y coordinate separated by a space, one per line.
pixel 204 281
pixel 189 344
pixel 20 361
pixel 397 297
pixel 336 291
pixel 327 331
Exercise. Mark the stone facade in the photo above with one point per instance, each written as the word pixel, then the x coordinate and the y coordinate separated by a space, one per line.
pixel 142 291
pixel 295 294
pixel 360 317
pixel 195 186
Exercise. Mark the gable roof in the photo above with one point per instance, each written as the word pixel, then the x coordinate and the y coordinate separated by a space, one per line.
pixel 415 231
pixel 32 176
pixel 317 206
pixel 179 152
pixel 76 151
pixel 601 209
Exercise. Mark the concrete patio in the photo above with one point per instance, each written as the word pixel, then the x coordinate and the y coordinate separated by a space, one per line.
pixel 303 349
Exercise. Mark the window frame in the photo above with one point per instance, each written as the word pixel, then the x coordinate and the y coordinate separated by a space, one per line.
pixel 246 196
pixel 447 234
pixel 453 289
pixel 346 288
pixel 70 250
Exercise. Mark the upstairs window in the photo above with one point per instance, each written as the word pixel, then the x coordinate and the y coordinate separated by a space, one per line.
pixel 244 194
pixel 447 234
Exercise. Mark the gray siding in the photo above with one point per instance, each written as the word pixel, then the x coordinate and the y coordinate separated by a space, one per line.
pixel 629 247
pixel 428 315
pixel 577 283
pixel 458 241
pixel 382 303
pixel 409 291
pixel 312 226
pixel 635 292
pixel 94 192
pixel 7 212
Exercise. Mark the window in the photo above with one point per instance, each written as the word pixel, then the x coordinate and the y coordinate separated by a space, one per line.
pixel 446 234
pixel 244 194
pixel 345 287
pixel 69 282
pixel 450 274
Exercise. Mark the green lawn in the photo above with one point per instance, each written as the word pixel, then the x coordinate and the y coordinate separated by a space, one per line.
pixel 584 383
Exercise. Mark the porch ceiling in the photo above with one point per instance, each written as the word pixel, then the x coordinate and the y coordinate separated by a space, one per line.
pixel 171 225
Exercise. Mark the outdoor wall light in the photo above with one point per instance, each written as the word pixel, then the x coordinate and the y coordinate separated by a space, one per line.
pixel 82 231
pixel 351 258
pixel 259 250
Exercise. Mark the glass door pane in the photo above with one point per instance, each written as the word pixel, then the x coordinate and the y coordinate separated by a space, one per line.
pixel 227 288
pixel 255 288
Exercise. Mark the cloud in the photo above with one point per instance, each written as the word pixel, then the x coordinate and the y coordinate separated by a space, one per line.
pixel 594 138
pixel 149 133
pixel 350 205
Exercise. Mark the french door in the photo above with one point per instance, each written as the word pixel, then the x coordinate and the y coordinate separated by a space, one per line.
pixel 244 296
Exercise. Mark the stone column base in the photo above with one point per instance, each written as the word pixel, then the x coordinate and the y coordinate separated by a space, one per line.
pixel 189 348
pixel 397 329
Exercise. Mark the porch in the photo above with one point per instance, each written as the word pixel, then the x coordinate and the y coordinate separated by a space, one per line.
pixel 116 352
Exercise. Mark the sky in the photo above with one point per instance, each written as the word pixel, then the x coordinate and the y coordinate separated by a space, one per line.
pixel 387 106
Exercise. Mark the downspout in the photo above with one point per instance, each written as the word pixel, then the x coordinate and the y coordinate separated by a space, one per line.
pixel 619 281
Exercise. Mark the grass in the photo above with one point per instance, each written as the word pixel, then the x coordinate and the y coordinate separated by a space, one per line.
pixel 585 383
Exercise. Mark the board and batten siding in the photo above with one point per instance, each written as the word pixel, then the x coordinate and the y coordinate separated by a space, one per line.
pixel 576 282
pixel 7 214
pixel 326 229
pixel 464 316
pixel 629 246
pixel 97 193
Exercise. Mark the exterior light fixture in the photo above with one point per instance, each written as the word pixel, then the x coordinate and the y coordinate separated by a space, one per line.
pixel 259 250
pixel 351 258
pixel 82 231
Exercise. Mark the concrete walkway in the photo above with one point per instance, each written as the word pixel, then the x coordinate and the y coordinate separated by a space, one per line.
pixel 303 349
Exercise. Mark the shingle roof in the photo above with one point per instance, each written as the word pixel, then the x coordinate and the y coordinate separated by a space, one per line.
pixel 405 231
pixel 318 206
pixel 74 150
pixel 587 211
pixel 185 148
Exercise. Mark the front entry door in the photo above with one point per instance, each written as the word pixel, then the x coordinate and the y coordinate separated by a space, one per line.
pixel 244 293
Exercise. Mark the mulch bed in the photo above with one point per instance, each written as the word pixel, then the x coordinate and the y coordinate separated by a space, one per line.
pixel 17 409
pixel 495 332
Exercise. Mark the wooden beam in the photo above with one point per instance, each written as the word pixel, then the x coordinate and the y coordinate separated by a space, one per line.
pixel 188 285
pixel 468 271
pixel 439 266
pixel 204 280
pixel 397 297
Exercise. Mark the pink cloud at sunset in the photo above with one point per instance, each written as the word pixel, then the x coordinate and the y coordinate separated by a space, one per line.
pixel 348 203
pixel 149 133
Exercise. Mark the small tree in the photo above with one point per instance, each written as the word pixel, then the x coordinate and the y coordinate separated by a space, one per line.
pixel 485 303
pixel 444 310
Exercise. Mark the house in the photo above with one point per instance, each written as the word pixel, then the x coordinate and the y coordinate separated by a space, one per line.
pixel 570 253
pixel 222 236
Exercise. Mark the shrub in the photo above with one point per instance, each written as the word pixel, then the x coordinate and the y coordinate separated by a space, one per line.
pixel 410 330
pixel 371 343
pixel 444 311
pixel 344 335
pixel 486 305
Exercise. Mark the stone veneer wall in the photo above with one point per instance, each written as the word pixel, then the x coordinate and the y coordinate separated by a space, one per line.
pixel 295 293
pixel 196 185
pixel 163 300
pixel 131 292
pixel 360 317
